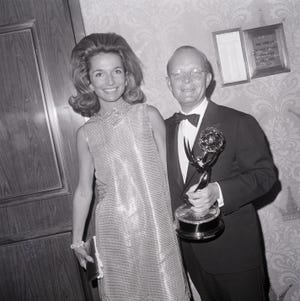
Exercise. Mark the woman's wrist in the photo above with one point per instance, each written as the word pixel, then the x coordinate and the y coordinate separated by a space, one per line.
pixel 76 245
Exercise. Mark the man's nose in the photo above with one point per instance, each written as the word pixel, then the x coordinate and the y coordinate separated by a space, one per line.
pixel 187 78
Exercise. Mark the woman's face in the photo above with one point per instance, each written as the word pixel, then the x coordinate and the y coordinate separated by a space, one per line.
pixel 107 76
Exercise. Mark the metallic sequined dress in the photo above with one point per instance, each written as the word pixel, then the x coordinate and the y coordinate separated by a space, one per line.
pixel 134 228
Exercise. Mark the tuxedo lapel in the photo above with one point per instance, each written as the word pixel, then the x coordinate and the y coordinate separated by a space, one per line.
pixel 210 118
pixel 172 159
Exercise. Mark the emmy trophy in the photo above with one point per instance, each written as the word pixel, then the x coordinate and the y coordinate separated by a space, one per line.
pixel 191 224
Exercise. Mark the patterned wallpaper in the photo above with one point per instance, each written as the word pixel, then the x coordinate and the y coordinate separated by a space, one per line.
pixel 154 28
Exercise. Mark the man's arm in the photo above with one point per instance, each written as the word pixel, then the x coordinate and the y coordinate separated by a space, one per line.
pixel 255 176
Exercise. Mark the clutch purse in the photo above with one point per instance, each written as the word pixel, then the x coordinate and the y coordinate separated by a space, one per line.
pixel 94 269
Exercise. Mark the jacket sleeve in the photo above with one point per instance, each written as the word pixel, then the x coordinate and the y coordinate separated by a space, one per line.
pixel 253 172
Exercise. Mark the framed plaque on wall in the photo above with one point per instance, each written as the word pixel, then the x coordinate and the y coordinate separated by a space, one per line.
pixel 266 50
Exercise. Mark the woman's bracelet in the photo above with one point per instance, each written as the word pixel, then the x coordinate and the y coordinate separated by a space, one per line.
pixel 77 245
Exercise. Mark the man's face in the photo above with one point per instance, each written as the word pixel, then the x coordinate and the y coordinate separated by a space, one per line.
pixel 187 78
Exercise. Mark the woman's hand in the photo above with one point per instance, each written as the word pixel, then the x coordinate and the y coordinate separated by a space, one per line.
pixel 81 252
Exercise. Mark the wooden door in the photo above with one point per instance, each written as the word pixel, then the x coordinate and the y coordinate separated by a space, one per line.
pixel 37 150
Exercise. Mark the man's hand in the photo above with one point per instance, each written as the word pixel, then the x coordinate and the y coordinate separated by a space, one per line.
pixel 204 198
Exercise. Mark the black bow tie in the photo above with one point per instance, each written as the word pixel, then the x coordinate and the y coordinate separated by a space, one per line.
pixel 192 118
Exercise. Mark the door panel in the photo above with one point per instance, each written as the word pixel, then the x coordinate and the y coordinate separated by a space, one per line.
pixel 29 154
pixel 49 281
pixel 38 160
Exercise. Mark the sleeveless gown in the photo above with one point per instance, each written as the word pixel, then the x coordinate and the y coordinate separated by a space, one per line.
pixel 134 229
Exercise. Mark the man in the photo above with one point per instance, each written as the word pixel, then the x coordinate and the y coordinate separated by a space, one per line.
pixel 229 267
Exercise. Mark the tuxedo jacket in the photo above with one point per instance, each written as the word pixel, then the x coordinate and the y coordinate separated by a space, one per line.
pixel 244 171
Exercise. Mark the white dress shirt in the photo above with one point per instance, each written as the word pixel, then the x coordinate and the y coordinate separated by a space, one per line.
pixel 189 132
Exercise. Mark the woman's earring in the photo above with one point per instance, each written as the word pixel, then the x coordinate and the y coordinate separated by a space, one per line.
pixel 126 79
pixel 91 87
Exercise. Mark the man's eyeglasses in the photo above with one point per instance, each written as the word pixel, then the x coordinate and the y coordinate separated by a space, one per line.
pixel 194 75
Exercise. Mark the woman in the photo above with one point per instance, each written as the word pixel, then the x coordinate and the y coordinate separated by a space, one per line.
pixel 123 144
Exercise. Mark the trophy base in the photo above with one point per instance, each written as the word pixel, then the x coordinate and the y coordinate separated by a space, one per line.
pixel 191 225
pixel 204 231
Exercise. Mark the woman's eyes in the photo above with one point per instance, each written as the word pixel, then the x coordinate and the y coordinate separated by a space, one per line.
pixel 99 74
pixel 119 71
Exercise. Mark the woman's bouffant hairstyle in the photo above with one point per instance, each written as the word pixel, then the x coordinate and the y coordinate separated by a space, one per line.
pixel 86 101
